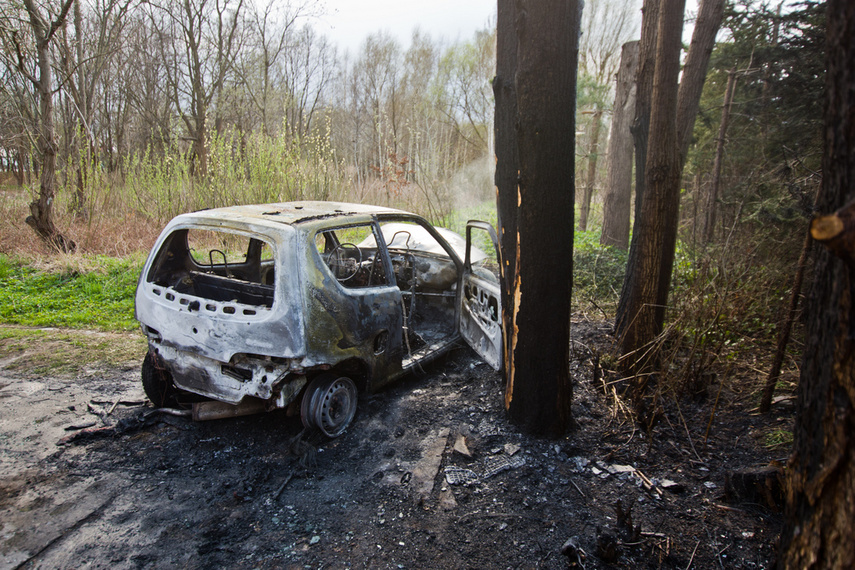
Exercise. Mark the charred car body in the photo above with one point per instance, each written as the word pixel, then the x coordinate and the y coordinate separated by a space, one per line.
pixel 261 307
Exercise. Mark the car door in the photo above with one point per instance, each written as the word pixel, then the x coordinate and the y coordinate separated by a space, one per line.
pixel 480 314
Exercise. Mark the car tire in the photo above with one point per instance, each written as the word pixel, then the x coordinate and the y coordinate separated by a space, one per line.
pixel 329 404
pixel 157 382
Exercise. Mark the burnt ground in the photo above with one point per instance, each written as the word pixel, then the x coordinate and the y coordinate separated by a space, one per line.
pixel 397 490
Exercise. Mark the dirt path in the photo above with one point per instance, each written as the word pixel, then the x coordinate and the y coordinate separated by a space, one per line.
pixel 397 490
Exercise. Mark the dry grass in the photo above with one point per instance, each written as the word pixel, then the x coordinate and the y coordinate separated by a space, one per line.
pixel 105 233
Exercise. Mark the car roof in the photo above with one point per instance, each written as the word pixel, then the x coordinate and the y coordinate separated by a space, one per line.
pixel 291 213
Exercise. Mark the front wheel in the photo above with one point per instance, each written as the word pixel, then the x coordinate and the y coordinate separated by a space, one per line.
pixel 329 404
pixel 157 382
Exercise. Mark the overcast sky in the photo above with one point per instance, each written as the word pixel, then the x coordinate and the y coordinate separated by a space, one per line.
pixel 349 22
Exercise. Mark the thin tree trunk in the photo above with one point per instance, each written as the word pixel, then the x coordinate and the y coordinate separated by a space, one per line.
pixel 651 260
pixel 715 179
pixel 536 205
pixel 593 155
pixel 820 509
pixel 786 328
pixel 618 192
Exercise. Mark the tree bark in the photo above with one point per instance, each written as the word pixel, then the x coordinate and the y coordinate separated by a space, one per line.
pixel 644 92
pixel 710 14
pixel 41 209
pixel 715 179
pixel 820 511
pixel 535 180
pixel 618 192
pixel 593 155
pixel 639 129
pixel 648 276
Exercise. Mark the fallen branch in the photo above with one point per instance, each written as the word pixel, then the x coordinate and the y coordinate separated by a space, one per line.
pixel 284 483
pixel 689 565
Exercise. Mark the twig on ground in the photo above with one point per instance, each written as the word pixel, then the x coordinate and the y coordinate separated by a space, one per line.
pixel 284 483
pixel 689 565
pixel 686 427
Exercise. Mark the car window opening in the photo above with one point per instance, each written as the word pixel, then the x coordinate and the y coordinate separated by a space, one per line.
pixel 219 266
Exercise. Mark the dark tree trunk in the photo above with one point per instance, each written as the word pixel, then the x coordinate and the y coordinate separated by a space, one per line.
pixel 593 155
pixel 715 179
pixel 535 90
pixel 41 209
pixel 820 511
pixel 710 14
pixel 644 93
pixel 618 192
pixel 648 274
pixel 639 129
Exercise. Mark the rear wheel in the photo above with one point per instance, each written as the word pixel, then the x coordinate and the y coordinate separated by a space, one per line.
pixel 157 382
pixel 329 404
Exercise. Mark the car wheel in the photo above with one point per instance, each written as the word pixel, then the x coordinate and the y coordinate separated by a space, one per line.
pixel 329 404
pixel 157 382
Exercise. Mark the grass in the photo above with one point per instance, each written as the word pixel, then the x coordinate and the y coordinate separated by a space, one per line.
pixel 66 352
pixel 778 438
pixel 94 292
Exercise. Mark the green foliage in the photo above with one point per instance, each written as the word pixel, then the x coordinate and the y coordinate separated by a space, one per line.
pixel 773 143
pixel 598 272
pixel 99 296
pixel 242 169
pixel 778 438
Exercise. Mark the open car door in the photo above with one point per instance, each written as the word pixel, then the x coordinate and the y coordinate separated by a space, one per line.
pixel 480 311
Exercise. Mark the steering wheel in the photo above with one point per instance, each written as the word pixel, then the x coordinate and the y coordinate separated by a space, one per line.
pixel 344 261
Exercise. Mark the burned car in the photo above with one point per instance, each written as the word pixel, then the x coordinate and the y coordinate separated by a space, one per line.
pixel 302 305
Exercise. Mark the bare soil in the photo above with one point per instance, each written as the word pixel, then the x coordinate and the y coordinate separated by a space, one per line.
pixel 429 475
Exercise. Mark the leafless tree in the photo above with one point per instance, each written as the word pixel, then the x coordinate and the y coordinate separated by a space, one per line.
pixel 85 54
pixel 28 34
pixel 200 40
pixel 606 26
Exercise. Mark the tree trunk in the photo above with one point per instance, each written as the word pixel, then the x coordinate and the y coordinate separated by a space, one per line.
pixel 639 129
pixel 535 89
pixel 820 511
pixel 644 93
pixel 715 179
pixel 618 192
pixel 41 209
pixel 648 275
pixel 710 14
pixel 585 209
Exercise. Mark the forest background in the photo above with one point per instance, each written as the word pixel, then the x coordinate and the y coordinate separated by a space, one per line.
pixel 162 108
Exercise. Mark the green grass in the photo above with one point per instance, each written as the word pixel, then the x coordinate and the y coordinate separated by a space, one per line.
pixel 778 438
pixel 86 293
pixel 66 352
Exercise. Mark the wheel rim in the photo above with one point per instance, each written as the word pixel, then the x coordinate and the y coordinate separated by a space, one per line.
pixel 329 405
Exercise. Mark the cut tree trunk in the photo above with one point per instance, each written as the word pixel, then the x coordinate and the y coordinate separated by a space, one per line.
pixel 617 198
pixel 535 88
pixel 820 509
